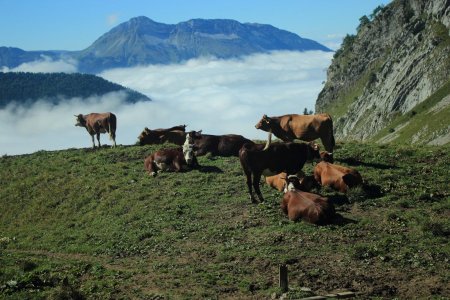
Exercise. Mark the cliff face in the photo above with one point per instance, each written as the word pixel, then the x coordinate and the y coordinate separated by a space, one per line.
pixel 391 80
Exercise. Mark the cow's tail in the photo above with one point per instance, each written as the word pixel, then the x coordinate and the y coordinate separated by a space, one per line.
pixel 269 140
pixel 112 124
pixel 333 141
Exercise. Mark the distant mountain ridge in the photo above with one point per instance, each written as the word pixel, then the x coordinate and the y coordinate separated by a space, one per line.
pixel 26 88
pixel 142 41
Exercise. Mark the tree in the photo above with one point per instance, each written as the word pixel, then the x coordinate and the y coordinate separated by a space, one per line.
pixel 305 111
pixel 363 21
pixel 376 11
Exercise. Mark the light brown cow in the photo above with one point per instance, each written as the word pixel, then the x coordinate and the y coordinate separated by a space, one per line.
pixel 337 177
pixel 96 123
pixel 302 127
pixel 309 207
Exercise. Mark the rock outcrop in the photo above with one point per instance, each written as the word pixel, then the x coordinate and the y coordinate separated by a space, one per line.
pixel 388 77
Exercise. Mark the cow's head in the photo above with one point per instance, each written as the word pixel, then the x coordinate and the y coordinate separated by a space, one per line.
pixel 296 182
pixel 313 153
pixel 264 124
pixel 292 183
pixel 79 120
pixel 193 135
pixel 326 156
pixel 148 137
pixel 188 149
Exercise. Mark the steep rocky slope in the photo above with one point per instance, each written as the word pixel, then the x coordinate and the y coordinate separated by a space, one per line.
pixel 390 82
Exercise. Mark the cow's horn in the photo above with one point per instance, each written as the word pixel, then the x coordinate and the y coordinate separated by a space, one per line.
pixel 269 140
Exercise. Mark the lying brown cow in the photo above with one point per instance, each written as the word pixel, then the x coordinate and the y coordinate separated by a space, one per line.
pixel 279 157
pixel 175 135
pixel 96 123
pixel 303 127
pixel 220 145
pixel 337 177
pixel 278 181
pixel 174 159
pixel 309 207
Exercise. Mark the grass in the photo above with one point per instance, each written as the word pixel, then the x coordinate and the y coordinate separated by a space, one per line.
pixel 92 224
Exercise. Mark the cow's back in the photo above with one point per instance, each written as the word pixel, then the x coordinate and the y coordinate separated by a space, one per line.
pixel 308 127
pixel 309 207
pixel 230 144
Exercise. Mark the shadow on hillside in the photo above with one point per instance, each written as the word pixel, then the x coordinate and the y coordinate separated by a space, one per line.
pixel 355 162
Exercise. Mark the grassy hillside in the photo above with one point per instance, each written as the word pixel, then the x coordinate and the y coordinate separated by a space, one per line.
pixel 91 224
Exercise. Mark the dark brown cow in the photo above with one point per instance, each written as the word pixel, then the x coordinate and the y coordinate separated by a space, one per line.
pixel 303 127
pixel 174 159
pixel 277 158
pixel 159 136
pixel 219 145
pixel 337 177
pixel 309 207
pixel 96 123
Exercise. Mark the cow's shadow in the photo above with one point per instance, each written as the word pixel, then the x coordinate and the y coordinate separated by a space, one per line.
pixel 209 169
pixel 355 162
pixel 340 220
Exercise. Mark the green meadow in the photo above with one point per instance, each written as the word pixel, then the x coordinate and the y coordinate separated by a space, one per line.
pixel 91 224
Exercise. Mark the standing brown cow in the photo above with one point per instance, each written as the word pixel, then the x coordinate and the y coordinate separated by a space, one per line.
pixel 303 127
pixel 96 123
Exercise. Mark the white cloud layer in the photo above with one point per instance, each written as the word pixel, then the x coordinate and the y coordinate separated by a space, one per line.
pixel 217 96
pixel 45 65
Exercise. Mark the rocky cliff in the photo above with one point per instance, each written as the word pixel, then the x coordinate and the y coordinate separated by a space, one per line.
pixel 390 82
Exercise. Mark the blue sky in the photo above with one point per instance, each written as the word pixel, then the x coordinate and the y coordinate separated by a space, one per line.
pixel 74 25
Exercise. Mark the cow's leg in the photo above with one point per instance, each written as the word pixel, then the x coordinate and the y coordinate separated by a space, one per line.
pixel 256 180
pixel 152 168
pixel 177 166
pixel 248 175
pixel 93 141
pixel 328 143
pixel 98 139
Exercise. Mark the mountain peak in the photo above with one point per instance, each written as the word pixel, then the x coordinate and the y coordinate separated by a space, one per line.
pixel 141 41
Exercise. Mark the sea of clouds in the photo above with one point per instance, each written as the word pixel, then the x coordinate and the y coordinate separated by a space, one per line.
pixel 214 95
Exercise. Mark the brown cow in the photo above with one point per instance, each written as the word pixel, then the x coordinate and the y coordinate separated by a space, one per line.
pixel 303 127
pixel 96 123
pixel 309 207
pixel 158 136
pixel 220 145
pixel 279 157
pixel 174 159
pixel 337 177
